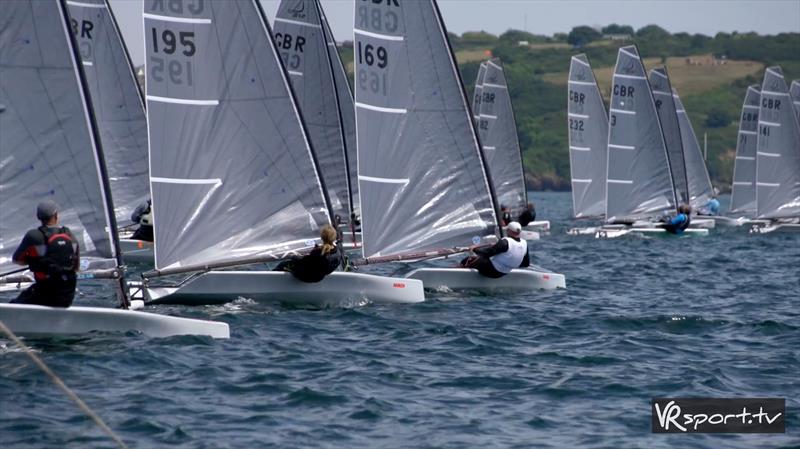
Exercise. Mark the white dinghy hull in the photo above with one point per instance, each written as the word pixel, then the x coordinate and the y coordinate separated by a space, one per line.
pixel 40 321
pixel 652 232
pixel 776 228
pixel 339 288
pixel 136 251
pixel 541 226
pixel 522 279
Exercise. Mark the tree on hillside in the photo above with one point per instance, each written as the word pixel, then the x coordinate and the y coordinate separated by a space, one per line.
pixel 618 29
pixel 582 35
pixel 718 118
pixel 515 36
pixel 652 32
pixel 478 38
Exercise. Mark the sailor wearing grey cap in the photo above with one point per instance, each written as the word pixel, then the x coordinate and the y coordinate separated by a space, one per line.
pixel 51 253
pixel 502 257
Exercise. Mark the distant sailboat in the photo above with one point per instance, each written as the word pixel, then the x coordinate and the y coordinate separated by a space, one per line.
pixel 119 110
pixel 588 140
pixel 700 188
pixel 777 157
pixel 497 129
pixel 640 185
pixel 52 149
pixel 234 176
pixel 422 175
pixel 743 190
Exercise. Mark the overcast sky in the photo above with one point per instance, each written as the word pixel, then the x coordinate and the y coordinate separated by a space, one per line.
pixel 547 16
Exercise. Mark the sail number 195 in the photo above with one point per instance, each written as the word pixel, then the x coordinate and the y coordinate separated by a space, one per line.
pixel 169 43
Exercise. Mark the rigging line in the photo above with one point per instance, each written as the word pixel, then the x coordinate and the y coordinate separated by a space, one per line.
pixel 74 397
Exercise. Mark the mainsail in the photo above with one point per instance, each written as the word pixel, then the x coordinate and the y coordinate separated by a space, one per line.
pixel 422 177
pixel 301 42
pixel 233 174
pixel 700 188
pixel 778 151
pixel 588 140
pixel 49 146
pixel 668 117
pixel 639 183
pixel 743 191
pixel 117 102
pixel 499 139
pixel 794 91
pixel 347 109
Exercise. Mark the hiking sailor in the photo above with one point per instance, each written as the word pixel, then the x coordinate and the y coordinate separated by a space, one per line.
pixel 528 215
pixel 498 260
pixel 679 222
pixel 322 261
pixel 710 208
pixel 51 253
pixel 143 215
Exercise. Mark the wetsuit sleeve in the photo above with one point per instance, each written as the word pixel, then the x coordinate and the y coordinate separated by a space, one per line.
pixel 497 248
pixel 136 216
pixel 77 248
pixel 27 248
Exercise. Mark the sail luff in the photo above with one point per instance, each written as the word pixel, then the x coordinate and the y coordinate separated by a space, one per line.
pixel 743 188
pixel 94 133
pixel 794 92
pixel 587 123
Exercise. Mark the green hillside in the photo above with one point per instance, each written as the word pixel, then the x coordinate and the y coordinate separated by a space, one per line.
pixel 711 73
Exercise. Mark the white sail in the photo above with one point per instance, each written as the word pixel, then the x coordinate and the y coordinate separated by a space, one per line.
pixel 743 190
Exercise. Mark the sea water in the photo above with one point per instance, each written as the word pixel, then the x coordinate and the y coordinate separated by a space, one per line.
pixel 715 316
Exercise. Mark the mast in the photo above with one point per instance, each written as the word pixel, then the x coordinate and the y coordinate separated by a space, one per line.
pixel 98 149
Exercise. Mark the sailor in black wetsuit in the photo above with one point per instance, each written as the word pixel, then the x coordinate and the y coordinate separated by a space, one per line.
pixel 527 216
pixel 681 221
pixel 322 261
pixel 51 252
pixel 498 260
pixel 143 214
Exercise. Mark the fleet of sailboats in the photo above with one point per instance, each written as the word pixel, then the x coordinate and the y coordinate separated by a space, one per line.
pixel 249 141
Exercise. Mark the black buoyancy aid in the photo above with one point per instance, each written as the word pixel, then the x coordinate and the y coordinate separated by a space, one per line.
pixel 59 256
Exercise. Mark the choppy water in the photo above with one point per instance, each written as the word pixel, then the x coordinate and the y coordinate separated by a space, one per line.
pixel 716 316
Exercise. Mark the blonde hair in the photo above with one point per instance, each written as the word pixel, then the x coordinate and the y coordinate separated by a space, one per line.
pixel 328 235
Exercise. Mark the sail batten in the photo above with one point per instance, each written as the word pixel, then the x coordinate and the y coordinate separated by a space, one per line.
pixel 413 123
pixel 637 152
pixel 777 151
pixel 234 175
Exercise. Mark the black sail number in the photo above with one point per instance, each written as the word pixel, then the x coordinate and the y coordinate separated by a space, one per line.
pixel 372 60
pixel 576 125
pixel 170 66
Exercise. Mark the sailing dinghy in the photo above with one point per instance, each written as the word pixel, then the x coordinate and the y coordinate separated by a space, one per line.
pixel 587 120
pixel 497 129
pixel 639 182
pixel 119 112
pixel 425 191
pixel 234 176
pixel 777 158
pixel 52 149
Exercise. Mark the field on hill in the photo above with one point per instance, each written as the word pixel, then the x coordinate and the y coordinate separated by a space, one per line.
pixel 689 74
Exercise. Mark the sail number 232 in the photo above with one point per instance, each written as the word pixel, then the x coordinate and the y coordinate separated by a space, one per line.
pixel 170 43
